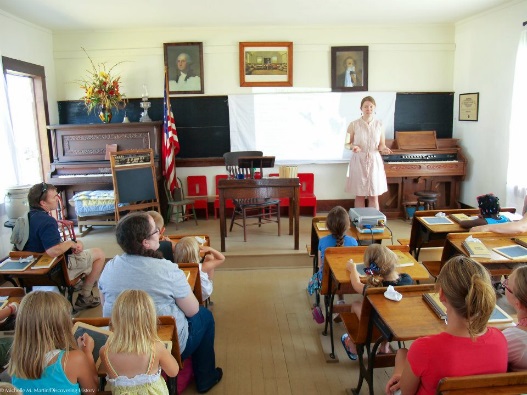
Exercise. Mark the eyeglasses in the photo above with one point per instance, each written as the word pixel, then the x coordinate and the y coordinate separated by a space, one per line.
pixel 44 189
pixel 153 233
pixel 505 284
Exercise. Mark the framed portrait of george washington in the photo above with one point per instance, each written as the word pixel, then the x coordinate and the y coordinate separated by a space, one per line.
pixel 349 69
pixel 184 65
pixel 266 64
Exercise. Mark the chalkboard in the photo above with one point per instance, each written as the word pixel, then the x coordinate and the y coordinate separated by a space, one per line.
pixel 99 335
pixel 202 122
pixel 134 180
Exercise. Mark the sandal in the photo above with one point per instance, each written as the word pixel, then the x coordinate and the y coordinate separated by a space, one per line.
pixel 345 339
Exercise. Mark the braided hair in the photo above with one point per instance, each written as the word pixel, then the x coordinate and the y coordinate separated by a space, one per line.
pixel 489 205
pixel 338 222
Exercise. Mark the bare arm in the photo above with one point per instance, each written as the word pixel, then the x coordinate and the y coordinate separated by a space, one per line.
pixel 470 223
pixel 350 137
pixel 167 362
pixel 403 377
pixel 507 227
pixel 80 366
pixel 189 305
pixel 354 277
pixel 61 248
pixel 213 258
pixel 382 145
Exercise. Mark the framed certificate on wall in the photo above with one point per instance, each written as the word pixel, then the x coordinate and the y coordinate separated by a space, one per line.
pixel 468 106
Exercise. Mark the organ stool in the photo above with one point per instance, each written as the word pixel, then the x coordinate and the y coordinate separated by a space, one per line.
pixel 428 199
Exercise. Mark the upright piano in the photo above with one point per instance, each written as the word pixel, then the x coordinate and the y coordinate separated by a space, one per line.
pixel 418 162
pixel 79 153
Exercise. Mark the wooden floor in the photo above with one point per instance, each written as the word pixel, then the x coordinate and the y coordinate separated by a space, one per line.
pixel 266 339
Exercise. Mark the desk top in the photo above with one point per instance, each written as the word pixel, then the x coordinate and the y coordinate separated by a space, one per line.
pixel 454 227
pixel 29 271
pixel 337 258
pixel 424 321
pixel 352 231
pixel 258 183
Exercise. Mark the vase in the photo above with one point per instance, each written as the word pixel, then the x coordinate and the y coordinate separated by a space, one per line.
pixel 105 114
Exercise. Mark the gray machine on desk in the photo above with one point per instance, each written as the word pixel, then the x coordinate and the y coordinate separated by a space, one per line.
pixel 367 219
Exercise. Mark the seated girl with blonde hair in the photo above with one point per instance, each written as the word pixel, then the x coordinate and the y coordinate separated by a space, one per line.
pixel 467 346
pixel 45 354
pixel 188 250
pixel 134 355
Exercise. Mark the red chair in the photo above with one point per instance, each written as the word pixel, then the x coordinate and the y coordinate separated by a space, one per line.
pixel 307 191
pixel 66 227
pixel 284 202
pixel 228 203
pixel 197 191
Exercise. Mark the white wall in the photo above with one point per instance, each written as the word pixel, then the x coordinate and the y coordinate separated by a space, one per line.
pixel 24 41
pixel 485 58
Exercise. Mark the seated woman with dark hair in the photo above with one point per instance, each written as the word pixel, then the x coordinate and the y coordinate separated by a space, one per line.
pixel 143 267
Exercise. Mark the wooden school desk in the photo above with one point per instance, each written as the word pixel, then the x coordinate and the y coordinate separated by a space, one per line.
pixel 391 318
pixel 53 275
pixel 336 278
pixel 423 235
pixel 261 188
pixel 497 264
pixel 319 230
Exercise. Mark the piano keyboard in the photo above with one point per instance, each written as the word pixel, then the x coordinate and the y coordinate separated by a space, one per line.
pixel 83 175
pixel 420 163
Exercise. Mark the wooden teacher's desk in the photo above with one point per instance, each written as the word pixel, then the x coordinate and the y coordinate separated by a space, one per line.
pixel 424 235
pixel 497 264
pixel 336 278
pixel 261 188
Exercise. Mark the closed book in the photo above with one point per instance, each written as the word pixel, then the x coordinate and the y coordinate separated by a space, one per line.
pixel 44 262
pixel 521 241
pixel 476 249
pixel 321 226
pixel 437 306
pixel 460 217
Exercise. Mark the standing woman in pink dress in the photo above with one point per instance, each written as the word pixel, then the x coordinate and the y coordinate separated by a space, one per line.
pixel 365 138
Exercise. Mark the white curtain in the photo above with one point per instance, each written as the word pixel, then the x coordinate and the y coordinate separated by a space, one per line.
pixel 7 151
pixel 516 174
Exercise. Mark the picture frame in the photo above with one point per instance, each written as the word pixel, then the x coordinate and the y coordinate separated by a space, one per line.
pixel 184 59
pixel 266 63
pixel 356 58
pixel 468 106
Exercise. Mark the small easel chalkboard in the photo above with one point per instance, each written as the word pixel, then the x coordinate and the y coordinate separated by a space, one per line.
pixel 134 181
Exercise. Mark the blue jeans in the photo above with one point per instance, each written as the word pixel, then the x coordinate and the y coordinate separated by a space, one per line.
pixel 200 345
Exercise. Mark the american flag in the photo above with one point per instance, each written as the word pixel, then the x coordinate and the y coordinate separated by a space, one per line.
pixel 170 143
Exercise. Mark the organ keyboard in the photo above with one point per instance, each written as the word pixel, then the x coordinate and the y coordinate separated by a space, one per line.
pixel 419 161
pixel 79 153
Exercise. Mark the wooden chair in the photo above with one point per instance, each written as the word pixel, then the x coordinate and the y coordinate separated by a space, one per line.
pixel 166 330
pixel 484 384
pixel 12 292
pixel 66 227
pixel 176 201
pixel 359 331
pixel 264 208
pixel 198 191
pixel 307 191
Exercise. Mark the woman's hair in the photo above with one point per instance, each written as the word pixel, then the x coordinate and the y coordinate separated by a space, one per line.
pixel 187 250
pixel 39 192
pixel 338 222
pixel 134 323
pixel 368 98
pixel 519 284
pixel 489 205
pixel 43 324
pixel 131 230
pixel 467 287
pixel 158 218
pixel 380 261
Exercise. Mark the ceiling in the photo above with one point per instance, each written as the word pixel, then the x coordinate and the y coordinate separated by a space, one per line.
pixel 59 15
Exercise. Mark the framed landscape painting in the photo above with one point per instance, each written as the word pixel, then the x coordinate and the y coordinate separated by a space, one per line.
pixel 184 64
pixel 349 69
pixel 266 64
